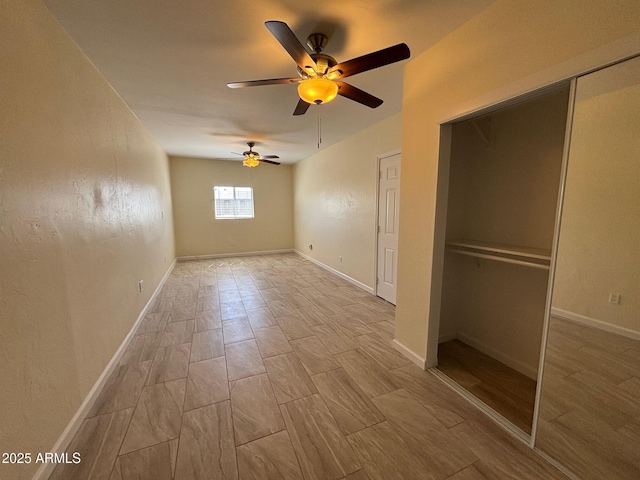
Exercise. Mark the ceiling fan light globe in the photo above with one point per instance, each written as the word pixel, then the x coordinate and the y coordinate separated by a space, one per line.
pixel 250 162
pixel 317 90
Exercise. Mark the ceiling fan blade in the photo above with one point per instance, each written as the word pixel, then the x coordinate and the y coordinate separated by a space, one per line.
pixel 373 60
pixel 291 44
pixel 236 153
pixel 357 95
pixel 269 156
pixel 301 107
pixel 264 160
pixel 268 81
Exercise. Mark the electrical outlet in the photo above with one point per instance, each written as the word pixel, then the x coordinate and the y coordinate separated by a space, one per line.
pixel 614 298
pixel 340 258
pixel 141 285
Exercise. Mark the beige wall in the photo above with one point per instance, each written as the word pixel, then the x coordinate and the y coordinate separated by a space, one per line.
pixel 335 200
pixel 85 213
pixel 507 191
pixel 510 48
pixel 598 253
pixel 197 230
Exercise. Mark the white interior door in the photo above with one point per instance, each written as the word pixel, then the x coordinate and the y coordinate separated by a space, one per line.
pixel 388 203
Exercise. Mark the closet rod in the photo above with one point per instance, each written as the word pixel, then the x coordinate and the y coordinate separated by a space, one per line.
pixel 500 259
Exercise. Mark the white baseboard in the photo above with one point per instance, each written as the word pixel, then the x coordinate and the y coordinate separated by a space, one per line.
pixel 338 273
pixel 63 442
pixel 447 337
pixel 240 254
pixel 592 322
pixel 518 365
pixel 410 354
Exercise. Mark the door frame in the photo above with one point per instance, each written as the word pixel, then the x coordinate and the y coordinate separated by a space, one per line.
pixel 379 157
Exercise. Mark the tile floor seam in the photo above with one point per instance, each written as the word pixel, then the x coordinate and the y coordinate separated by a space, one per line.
pixel 104 439
pixel 135 407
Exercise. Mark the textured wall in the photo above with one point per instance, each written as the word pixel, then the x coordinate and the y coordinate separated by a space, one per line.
pixel 197 230
pixel 335 200
pixel 85 213
pixel 598 251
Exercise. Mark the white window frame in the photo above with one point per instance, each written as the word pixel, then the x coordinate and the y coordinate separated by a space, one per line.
pixel 232 209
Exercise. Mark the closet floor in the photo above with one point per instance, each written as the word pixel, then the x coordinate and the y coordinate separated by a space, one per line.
pixel 270 367
pixel 502 388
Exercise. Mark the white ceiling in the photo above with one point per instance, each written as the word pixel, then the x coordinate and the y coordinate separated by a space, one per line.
pixel 170 61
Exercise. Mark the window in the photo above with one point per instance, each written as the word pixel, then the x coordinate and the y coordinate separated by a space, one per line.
pixel 233 202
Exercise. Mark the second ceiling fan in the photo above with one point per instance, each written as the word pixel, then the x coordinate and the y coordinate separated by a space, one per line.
pixel 253 159
pixel 320 75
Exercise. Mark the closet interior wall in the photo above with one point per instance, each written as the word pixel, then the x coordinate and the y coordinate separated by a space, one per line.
pixel 504 179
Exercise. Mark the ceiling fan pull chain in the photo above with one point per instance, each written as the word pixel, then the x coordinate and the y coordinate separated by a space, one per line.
pixel 319 129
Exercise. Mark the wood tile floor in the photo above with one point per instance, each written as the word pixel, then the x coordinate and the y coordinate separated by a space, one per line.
pixel 590 408
pixel 269 367
pixel 502 388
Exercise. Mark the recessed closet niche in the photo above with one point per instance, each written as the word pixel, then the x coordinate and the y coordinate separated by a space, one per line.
pixel 504 178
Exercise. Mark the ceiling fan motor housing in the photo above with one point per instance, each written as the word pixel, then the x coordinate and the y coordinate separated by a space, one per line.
pixel 317 42
pixel 323 64
pixel 250 152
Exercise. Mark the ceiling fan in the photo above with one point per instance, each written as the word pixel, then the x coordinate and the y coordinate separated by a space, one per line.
pixel 320 75
pixel 253 159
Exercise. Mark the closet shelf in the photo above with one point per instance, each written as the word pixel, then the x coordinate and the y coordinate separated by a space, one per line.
pixel 515 254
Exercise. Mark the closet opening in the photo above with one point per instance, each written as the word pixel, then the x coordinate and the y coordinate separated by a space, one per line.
pixel 504 176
